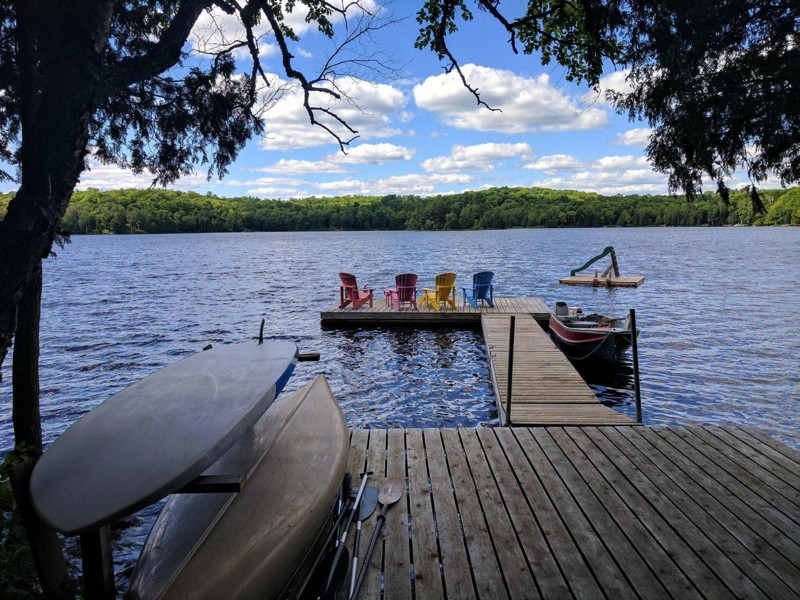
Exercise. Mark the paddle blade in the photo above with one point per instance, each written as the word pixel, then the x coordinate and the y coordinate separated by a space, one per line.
pixel 369 501
pixel 391 491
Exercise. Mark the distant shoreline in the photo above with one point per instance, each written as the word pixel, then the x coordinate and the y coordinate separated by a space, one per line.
pixel 137 211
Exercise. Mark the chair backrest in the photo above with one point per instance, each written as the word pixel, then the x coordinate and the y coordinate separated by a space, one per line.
pixel 348 280
pixel 445 280
pixel 480 284
pixel 406 285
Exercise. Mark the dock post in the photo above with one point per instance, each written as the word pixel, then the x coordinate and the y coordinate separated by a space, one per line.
pixel 98 566
pixel 510 369
pixel 635 349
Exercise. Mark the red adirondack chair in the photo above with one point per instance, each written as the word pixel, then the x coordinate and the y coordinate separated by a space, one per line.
pixel 350 294
pixel 404 290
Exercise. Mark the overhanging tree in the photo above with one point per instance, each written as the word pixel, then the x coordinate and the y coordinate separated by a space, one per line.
pixel 113 77
pixel 717 81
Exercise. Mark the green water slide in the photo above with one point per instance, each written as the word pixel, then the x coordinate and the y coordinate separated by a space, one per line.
pixel 607 250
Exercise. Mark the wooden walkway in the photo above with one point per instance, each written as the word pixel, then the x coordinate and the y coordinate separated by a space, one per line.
pixel 546 389
pixel 628 512
pixel 613 281
pixel 380 314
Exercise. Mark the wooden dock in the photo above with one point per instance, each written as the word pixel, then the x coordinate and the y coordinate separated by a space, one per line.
pixel 546 389
pixel 381 314
pixel 612 281
pixel 627 512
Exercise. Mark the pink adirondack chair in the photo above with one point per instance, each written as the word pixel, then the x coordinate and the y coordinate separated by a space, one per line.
pixel 404 291
pixel 350 294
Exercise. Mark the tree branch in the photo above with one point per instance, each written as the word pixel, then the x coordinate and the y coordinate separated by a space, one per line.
pixel 163 55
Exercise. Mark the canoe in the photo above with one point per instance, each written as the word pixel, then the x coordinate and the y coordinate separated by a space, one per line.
pixel 591 337
pixel 249 544
pixel 157 435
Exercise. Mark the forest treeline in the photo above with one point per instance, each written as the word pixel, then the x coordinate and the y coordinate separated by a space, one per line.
pixel 166 211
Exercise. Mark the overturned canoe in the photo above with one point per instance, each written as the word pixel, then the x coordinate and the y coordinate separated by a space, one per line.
pixel 248 544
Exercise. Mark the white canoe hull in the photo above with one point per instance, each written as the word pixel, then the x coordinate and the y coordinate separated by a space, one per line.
pixel 248 545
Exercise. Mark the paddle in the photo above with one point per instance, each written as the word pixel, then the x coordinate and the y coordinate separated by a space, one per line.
pixel 368 504
pixel 391 492
pixel 354 507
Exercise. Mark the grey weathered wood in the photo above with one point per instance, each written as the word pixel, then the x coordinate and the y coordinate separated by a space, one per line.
pixel 692 517
pixel 688 478
pixel 579 512
pixel 157 435
pixel 769 482
pixel 543 565
pixel 660 577
pixel 789 476
pixel 515 568
pixel 754 491
pixel 427 574
pixel 572 562
pixel 605 569
pixel 452 546
pixel 485 566
pixel 773 526
pixel 376 462
pixel 396 561
pixel 693 576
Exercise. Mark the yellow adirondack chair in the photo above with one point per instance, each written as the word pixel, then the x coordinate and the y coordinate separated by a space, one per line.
pixel 444 294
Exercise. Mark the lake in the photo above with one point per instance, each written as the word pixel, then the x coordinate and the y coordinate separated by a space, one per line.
pixel 718 313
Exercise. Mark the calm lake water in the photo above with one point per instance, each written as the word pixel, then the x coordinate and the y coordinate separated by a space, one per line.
pixel 719 314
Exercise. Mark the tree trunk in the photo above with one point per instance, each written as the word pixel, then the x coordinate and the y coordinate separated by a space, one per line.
pixel 25 370
pixel 60 45
pixel 45 546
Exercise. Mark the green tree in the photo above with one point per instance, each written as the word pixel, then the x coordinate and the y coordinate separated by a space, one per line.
pixel 717 81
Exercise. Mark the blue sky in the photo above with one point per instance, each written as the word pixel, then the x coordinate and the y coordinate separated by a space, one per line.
pixel 421 132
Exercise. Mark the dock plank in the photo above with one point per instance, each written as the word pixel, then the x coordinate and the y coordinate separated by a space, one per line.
pixel 427 574
pixel 577 512
pixel 380 315
pixel 483 559
pixel 546 388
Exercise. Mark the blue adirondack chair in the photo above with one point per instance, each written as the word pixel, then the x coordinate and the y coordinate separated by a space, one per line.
pixel 482 290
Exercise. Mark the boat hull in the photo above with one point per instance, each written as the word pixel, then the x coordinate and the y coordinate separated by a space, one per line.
pixel 597 344
pixel 248 545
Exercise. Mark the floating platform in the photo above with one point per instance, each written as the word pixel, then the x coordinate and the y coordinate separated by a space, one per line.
pixel 381 314
pixel 627 512
pixel 546 389
pixel 612 281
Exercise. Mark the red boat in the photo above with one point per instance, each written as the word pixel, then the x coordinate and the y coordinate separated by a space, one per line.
pixel 590 337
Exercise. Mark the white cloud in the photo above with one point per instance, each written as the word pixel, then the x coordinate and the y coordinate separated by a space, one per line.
pixel 112 177
pixel 639 136
pixel 420 184
pixel 616 81
pixel 620 162
pixel 610 182
pixel 292 166
pixel 216 30
pixel 374 154
pixel 269 181
pixel 277 193
pixel 527 104
pixel 369 110
pixel 553 163
pixel 478 157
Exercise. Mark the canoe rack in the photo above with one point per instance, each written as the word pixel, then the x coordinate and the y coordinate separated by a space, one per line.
pixel 606 279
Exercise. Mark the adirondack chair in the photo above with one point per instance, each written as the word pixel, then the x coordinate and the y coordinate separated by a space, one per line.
pixel 443 294
pixel 350 294
pixel 404 291
pixel 482 290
